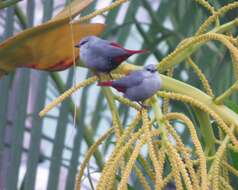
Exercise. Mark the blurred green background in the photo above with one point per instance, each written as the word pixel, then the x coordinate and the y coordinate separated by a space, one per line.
pixel 45 153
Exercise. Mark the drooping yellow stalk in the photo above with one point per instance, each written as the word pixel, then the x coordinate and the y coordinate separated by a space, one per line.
pixel 88 155
pixel 197 144
pixel 230 168
pixel 127 139
pixel 220 99
pixel 111 163
pixel 161 161
pixel 225 172
pixel 173 162
pixel 179 87
pixel 167 179
pixel 181 148
pixel 130 163
pixel 129 166
pixel 147 168
pixel 202 77
pixel 152 154
pixel 174 166
pixel 201 106
pixel 127 132
pixel 232 40
pixel 116 122
pixel 166 100
pixel 206 5
pixel 109 170
pixel 215 168
pixel 142 179
pixel 191 45
pixel 224 184
pixel 127 102
pixel 176 163
pixel 220 12
pixel 66 94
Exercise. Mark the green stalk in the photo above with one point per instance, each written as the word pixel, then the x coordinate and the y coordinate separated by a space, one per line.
pixel 158 117
pixel 8 3
pixel 174 85
pixel 182 88
pixel 112 105
pixel 21 16
pixel 206 131
pixel 226 27
pixel 220 99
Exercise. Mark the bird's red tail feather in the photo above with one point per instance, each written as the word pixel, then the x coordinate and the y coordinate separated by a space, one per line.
pixel 131 52
pixel 110 83
pixel 105 83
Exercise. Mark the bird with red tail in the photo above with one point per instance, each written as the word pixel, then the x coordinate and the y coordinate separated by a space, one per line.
pixel 138 85
pixel 103 56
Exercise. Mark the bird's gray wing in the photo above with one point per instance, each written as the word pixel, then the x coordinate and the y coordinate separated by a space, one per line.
pixel 133 79
pixel 106 49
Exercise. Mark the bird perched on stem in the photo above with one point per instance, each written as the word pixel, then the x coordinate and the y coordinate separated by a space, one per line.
pixel 102 55
pixel 138 85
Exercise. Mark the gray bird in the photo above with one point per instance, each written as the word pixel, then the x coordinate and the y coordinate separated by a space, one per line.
pixel 102 55
pixel 138 85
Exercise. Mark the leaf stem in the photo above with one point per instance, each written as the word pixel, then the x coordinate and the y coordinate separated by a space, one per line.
pixel 220 99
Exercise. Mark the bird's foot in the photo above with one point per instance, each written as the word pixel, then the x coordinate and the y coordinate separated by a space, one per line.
pixel 110 75
pixel 143 106
pixel 98 75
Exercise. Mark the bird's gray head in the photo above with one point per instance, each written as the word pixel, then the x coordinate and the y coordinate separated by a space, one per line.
pixel 86 40
pixel 151 68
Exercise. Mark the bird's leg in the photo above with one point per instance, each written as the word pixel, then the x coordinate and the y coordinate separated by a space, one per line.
pixel 97 74
pixel 110 75
pixel 143 105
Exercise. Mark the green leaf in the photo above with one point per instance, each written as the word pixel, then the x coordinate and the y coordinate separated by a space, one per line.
pixel 22 85
pixel 206 131
pixel 130 14
pixel 59 143
pixel 36 134
pixel 77 140
pixel 234 155
pixel 232 105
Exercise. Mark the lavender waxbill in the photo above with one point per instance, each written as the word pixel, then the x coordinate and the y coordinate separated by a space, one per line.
pixel 138 85
pixel 102 55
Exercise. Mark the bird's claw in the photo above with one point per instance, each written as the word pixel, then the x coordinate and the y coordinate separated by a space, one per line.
pixel 143 106
pixel 110 76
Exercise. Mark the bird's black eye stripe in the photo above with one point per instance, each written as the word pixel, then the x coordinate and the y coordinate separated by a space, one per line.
pixel 84 42
pixel 151 70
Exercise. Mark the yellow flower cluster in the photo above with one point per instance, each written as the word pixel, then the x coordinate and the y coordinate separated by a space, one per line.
pixel 193 168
